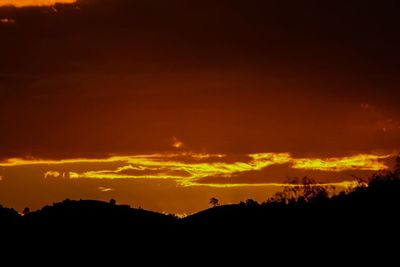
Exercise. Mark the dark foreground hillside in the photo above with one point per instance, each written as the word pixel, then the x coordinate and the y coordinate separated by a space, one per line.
pixel 302 218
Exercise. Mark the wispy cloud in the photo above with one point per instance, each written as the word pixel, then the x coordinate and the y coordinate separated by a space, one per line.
pixel 24 3
pixel 359 162
pixel 52 174
pixel 185 173
pixel 188 168
pixel 176 143
pixel 105 189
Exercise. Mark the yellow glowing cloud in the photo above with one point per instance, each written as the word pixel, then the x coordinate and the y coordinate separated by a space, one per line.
pixel 13 162
pixel 52 174
pixel 24 3
pixel 339 185
pixel 263 160
pixel 105 189
pixel 187 168
pixel 188 174
pixel 159 166
pixel 359 162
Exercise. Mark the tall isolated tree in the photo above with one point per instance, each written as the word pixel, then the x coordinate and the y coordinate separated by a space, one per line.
pixel 214 202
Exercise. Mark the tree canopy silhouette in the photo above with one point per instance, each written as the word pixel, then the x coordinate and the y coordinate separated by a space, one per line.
pixel 214 202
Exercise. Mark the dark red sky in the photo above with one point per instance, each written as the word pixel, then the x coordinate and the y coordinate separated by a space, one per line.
pixel 100 77
pixel 126 76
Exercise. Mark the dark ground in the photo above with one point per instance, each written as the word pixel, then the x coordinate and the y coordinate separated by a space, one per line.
pixel 291 227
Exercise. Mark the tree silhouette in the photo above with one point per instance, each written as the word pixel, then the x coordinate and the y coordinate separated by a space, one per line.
pixel 113 202
pixel 214 202
pixel 302 190
pixel 251 203
pixel 26 211
pixel 397 166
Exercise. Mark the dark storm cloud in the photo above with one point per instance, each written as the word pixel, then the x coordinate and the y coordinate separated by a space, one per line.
pixel 104 76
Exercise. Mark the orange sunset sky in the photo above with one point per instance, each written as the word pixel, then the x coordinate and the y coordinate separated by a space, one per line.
pixel 165 104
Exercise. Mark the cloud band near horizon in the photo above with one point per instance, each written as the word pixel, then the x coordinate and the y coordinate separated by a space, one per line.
pixel 195 169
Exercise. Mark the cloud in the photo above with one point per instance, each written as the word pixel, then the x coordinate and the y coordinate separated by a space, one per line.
pixel 185 173
pixel 26 3
pixel 176 143
pixel 191 169
pixel 338 185
pixel 358 162
pixel 52 174
pixel 56 174
pixel 105 189
pixel 263 160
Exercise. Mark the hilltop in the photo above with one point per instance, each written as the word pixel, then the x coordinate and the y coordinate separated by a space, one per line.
pixel 303 215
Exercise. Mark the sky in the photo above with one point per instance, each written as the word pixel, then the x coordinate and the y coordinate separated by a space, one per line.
pixel 165 104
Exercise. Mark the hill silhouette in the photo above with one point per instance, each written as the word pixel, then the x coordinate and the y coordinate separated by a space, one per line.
pixel 89 213
pixel 303 215
pixel 379 196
